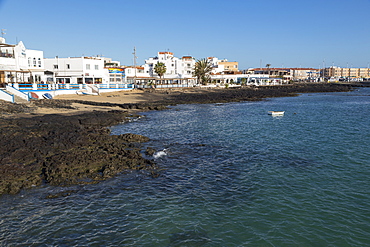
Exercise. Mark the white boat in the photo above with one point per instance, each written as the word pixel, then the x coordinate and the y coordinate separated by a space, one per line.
pixel 89 90
pixel 276 113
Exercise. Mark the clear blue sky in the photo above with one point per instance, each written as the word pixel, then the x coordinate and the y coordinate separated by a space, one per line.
pixel 286 33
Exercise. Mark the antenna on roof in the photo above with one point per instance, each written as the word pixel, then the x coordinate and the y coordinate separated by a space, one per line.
pixel 3 32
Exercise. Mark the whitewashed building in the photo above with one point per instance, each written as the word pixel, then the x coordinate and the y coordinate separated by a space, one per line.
pixel 222 65
pixel 177 68
pixel 20 65
pixel 76 70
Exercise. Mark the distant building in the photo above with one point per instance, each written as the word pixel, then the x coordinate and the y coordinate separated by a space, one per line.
pixel 337 72
pixel 302 74
pixel 295 74
pixel 273 72
pixel 116 72
pixel 76 70
pixel 20 65
pixel 135 74
pixel 223 65
pixel 180 68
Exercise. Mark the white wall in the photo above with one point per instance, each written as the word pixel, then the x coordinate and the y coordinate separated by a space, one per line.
pixel 77 67
pixel 18 67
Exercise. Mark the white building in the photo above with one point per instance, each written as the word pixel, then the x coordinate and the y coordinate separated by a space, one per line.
pixel 76 70
pixel 116 72
pixel 134 74
pixel 20 65
pixel 222 65
pixel 177 68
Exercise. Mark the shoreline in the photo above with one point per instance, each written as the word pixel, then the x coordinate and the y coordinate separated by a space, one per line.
pixel 66 141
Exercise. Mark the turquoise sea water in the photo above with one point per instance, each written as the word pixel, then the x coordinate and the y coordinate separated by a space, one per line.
pixel 231 176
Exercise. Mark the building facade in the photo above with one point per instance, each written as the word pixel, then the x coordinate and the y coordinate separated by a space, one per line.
pixel 76 70
pixel 303 74
pixel 180 68
pixel 223 65
pixel 116 72
pixel 338 72
pixel 20 65
pixel 295 74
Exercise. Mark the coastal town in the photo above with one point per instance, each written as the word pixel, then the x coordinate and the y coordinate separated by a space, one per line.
pixel 20 67
pixel 184 123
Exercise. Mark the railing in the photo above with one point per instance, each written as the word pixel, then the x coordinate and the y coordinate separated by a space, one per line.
pixel 7 55
pixel 166 85
pixel 73 86
pixel 43 86
pixel 68 86
pixel 24 86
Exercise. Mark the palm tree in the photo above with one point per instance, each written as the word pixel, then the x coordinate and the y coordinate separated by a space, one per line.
pixel 202 70
pixel 160 69
pixel 268 68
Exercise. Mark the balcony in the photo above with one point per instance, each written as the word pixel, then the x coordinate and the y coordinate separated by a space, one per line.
pixel 6 55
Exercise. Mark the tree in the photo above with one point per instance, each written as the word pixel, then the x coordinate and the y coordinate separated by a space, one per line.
pixel 202 70
pixel 244 80
pixel 268 68
pixel 160 69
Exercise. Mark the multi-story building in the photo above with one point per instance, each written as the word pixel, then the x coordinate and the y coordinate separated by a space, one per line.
pixel 295 74
pixel 300 74
pixel 223 65
pixel 180 68
pixel 338 72
pixel 116 72
pixel 272 72
pixel 76 70
pixel 136 74
pixel 19 65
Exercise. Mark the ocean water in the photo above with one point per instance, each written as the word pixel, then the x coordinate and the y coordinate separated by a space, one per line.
pixel 231 175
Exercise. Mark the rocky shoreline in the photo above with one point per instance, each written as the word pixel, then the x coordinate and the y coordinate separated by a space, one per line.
pixel 63 149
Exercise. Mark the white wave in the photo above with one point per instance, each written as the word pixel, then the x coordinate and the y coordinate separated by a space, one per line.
pixel 160 154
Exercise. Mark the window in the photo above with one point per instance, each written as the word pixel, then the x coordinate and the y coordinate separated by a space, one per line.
pixel 39 62
pixel 87 66
pixel 96 67
pixel 55 66
pixel 34 62
pixel 68 66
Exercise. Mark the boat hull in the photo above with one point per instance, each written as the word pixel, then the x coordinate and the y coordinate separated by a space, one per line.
pixel 276 113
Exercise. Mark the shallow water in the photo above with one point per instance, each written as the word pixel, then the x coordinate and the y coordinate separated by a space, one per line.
pixel 232 176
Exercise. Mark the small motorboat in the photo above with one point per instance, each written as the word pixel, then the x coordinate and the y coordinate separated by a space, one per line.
pixel 276 113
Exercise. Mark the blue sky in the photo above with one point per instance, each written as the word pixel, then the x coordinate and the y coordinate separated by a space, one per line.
pixel 286 33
